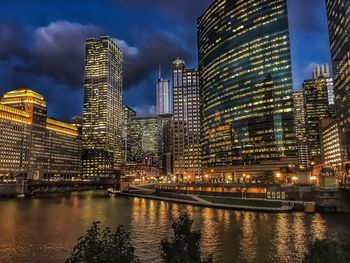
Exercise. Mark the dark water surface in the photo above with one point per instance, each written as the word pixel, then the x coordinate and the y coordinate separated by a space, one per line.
pixel 44 229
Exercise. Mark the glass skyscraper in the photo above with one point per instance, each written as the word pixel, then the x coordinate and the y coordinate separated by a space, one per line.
pixel 103 109
pixel 163 94
pixel 338 12
pixel 246 87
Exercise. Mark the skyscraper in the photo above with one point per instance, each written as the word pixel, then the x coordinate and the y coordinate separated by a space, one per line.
pixel 128 114
pixel 318 96
pixel 143 138
pixel 246 88
pixel 300 130
pixel 186 121
pixel 163 94
pixel 103 111
pixel 338 12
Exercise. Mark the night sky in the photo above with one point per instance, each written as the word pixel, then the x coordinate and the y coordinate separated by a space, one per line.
pixel 42 44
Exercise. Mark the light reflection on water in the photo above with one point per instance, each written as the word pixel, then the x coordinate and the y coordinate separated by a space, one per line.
pixel 45 229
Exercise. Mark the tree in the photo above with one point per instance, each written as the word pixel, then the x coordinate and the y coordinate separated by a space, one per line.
pixel 98 246
pixel 329 250
pixel 184 246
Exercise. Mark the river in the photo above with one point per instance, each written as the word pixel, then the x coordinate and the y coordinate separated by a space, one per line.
pixel 45 229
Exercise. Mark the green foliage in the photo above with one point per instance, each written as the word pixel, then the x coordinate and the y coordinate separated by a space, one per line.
pixel 184 246
pixel 98 246
pixel 329 250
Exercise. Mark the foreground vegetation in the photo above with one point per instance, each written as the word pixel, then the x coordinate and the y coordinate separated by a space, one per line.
pixel 106 246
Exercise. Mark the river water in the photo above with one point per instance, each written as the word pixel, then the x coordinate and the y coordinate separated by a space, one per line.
pixel 44 229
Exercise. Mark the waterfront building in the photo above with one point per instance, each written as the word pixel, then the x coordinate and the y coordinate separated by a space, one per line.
pixel 103 110
pixel 300 130
pixel 163 98
pixel 317 107
pixel 338 12
pixel 33 145
pixel 186 121
pixel 128 114
pixel 143 138
pixel 331 150
pixel 247 121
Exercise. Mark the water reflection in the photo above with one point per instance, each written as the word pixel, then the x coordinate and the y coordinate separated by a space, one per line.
pixel 45 229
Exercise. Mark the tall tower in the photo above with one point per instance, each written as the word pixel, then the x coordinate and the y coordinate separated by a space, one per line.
pixel 300 129
pixel 318 104
pixel 246 88
pixel 338 12
pixel 186 121
pixel 163 94
pixel 103 110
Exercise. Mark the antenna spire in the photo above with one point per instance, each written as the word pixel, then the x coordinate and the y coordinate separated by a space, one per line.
pixel 160 71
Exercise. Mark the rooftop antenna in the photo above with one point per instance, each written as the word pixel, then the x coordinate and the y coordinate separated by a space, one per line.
pixel 160 71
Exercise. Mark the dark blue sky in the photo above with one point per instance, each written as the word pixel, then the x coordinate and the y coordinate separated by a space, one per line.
pixel 42 44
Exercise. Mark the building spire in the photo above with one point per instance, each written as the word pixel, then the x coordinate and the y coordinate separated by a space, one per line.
pixel 160 71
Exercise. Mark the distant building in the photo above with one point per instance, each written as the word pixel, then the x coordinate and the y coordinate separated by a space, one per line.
pixel 129 113
pixel 103 110
pixel 165 142
pixel 245 69
pixel 33 145
pixel 186 121
pixel 331 150
pixel 300 130
pixel 143 138
pixel 317 107
pixel 163 93
pixel 339 31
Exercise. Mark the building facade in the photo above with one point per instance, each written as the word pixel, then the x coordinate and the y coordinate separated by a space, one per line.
pixel 33 145
pixel 128 114
pixel 103 110
pixel 165 142
pixel 143 138
pixel 163 94
pixel 331 150
pixel 300 130
pixel 246 88
pixel 338 12
pixel 186 121
pixel 317 107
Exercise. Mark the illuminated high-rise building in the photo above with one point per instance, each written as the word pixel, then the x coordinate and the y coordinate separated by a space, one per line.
pixel 246 88
pixel 300 130
pixel 186 121
pixel 163 94
pixel 338 12
pixel 143 138
pixel 318 94
pixel 103 109
pixel 33 145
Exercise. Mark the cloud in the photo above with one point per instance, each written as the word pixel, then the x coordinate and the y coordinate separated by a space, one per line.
pixel 57 52
pixel 154 51
pixel 10 44
pixel 127 50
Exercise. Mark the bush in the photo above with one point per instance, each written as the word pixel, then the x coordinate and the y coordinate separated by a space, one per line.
pixel 329 250
pixel 184 246
pixel 98 246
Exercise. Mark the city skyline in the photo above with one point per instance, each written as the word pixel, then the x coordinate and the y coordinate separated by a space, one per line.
pixel 55 31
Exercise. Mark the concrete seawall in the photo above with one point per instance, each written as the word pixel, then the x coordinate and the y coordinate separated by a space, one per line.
pixel 212 205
